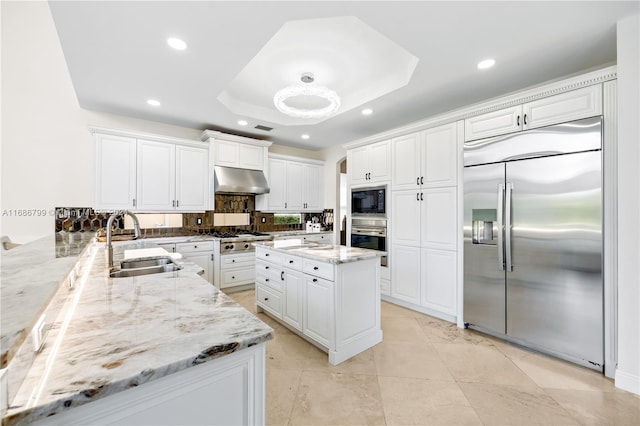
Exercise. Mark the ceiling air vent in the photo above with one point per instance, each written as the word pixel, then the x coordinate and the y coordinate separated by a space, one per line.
pixel 265 128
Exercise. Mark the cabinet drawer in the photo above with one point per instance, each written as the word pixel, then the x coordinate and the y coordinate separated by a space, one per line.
pixel 228 261
pixel 268 269
pixel 269 281
pixel 194 247
pixel 269 256
pixel 269 300
pixel 292 262
pixel 318 269
pixel 238 276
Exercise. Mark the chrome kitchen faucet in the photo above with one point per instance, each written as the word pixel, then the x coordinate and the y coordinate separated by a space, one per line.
pixel 109 247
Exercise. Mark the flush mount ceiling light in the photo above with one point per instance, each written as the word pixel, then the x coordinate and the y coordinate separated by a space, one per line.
pixel 307 89
pixel 487 63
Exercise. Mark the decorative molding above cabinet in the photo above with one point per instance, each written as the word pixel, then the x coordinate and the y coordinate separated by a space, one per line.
pixel 146 172
pixel 236 151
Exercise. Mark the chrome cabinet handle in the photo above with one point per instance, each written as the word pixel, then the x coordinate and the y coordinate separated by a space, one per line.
pixel 507 226
pixel 500 227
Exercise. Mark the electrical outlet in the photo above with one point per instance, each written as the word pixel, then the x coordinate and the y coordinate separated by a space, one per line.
pixel 263 220
pixel 199 221
pixel 37 334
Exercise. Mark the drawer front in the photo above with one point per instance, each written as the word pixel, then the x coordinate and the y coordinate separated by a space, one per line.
pixel 269 256
pixel 228 261
pixel 238 277
pixel 268 269
pixel 269 281
pixel 292 262
pixel 269 300
pixel 194 247
pixel 318 269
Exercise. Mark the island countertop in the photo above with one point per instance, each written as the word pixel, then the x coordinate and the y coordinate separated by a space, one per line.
pixel 118 333
pixel 319 251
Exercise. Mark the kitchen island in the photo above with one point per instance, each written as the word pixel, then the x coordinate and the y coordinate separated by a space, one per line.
pixel 165 348
pixel 329 295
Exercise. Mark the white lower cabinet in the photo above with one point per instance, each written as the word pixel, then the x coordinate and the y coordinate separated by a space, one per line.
pixel 200 253
pixel 237 269
pixel 406 273
pixel 439 280
pixel 334 306
pixel 226 391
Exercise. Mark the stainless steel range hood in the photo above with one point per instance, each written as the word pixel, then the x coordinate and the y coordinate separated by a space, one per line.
pixel 230 180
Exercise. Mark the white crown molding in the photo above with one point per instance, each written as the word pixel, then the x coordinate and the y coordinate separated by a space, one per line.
pixel 298 159
pixel 146 136
pixel 208 135
pixel 516 98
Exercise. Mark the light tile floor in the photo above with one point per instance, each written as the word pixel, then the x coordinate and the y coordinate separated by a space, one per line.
pixel 429 372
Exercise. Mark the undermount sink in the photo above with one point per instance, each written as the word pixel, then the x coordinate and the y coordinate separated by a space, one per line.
pixel 133 268
pixel 143 263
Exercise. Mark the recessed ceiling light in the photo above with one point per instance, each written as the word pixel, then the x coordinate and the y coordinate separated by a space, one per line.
pixel 487 63
pixel 153 102
pixel 305 136
pixel 243 122
pixel 176 43
pixel 367 111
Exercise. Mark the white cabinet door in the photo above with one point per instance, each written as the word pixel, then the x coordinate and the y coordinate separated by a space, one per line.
pixel 406 162
pixel 314 187
pixel 205 261
pixel 277 184
pixel 295 186
pixel 405 218
pixel 439 218
pixel 439 280
pixel 358 160
pixel 293 303
pixel 440 156
pixel 581 103
pixel 405 282
pixel 318 309
pixel 192 178
pixel 156 176
pixel 115 176
pixel 494 123
pixel 251 157
pixel 380 158
pixel 227 153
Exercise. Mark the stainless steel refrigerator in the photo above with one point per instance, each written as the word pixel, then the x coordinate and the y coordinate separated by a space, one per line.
pixel 533 239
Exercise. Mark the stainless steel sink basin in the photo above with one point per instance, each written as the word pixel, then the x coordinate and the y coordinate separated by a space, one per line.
pixel 152 265
pixel 134 272
pixel 143 263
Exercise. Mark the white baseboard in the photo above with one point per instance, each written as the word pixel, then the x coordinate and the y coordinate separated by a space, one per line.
pixel 628 382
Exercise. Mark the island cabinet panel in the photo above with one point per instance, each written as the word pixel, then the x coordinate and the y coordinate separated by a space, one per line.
pixel 225 391
pixel 335 306
pixel 318 310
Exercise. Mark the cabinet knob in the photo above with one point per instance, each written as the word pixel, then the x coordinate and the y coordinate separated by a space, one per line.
pixel 266 298
pixel 266 279
pixel 266 254
pixel 291 261
pixel 233 261
pixel 315 268
pixel 195 246
pixel 315 280
pixel 233 277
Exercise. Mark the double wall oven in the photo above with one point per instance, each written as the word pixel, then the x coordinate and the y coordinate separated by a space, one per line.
pixel 369 219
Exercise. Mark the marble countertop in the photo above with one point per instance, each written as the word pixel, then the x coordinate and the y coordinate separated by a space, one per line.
pixel 116 333
pixel 321 252
pixel 294 233
pixel 30 275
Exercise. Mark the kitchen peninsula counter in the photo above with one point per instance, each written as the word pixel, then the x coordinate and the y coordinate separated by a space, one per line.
pixel 319 251
pixel 115 334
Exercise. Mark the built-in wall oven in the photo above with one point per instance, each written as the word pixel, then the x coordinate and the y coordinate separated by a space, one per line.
pixel 370 233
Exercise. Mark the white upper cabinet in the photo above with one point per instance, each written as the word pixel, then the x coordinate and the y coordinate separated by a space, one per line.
pixel 156 176
pixel 568 106
pixel 295 186
pixel 439 156
pixel 407 165
pixel 144 172
pixel 192 177
pixel 369 163
pixel 115 165
pixel 239 155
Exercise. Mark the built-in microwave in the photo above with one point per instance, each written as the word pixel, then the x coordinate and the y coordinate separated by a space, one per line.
pixel 369 201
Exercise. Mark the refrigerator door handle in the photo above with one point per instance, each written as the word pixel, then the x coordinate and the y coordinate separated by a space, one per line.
pixel 500 227
pixel 507 232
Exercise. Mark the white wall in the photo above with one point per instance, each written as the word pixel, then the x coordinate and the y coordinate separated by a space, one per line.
pixel 628 371
pixel 46 147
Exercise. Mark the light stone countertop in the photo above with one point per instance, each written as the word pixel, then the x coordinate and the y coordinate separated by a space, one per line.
pixel 114 334
pixel 321 252
pixel 277 234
